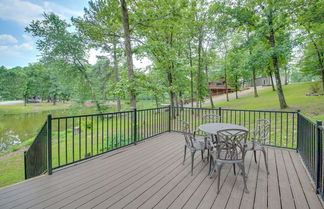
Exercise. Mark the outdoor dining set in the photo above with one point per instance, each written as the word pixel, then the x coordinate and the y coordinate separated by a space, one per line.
pixel 225 143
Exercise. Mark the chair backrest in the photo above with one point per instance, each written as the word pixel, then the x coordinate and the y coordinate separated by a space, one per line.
pixel 211 118
pixel 185 129
pixel 262 130
pixel 231 144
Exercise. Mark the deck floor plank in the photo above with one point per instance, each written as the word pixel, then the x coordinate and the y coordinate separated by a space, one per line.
pixel 261 193
pixel 299 196
pixel 151 175
pixel 274 201
pixel 286 196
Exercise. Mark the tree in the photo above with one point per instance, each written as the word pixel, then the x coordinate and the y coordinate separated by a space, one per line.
pixel 101 24
pixel 58 45
pixel 309 17
pixel 129 53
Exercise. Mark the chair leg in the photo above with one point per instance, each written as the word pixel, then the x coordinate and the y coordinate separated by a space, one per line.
pixel 244 177
pixel 265 160
pixel 234 170
pixel 255 156
pixel 218 167
pixel 211 166
pixel 202 155
pixel 184 158
pixel 207 155
pixel 192 161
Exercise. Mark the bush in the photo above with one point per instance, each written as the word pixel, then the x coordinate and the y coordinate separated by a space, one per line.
pixel 315 88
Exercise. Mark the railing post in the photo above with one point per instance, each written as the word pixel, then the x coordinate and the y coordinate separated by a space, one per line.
pixel 135 125
pixel 25 165
pixel 319 157
pixel 169 118
pixel 220 113
pixel 298 130
pixel 49 144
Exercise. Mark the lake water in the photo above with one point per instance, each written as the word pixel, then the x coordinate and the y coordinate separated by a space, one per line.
pixel 17 128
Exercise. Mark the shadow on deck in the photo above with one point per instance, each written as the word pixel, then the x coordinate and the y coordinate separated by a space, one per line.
pixel 151 175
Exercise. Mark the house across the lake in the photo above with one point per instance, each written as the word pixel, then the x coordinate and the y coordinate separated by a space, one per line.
pixel 264 81
pixel 218 87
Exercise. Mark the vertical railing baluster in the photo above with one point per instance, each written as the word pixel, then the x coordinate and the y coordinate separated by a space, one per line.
pixel 107 130
pixel 97 132
pixel 91 135
pixel 102 132
pixel 86 136
pixel 73 139
pixel 58 143
pixel 80 144
pixel 275 128
pixel 49 146
pixel 135 125
pixel 66 147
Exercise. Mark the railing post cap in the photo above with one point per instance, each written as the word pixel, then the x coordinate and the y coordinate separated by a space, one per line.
pixel 298 110
pixel 319 122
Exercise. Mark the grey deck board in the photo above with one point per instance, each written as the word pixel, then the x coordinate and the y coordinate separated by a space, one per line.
pixel 151 175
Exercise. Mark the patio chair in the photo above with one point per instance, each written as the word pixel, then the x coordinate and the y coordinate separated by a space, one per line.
pixel 260 136
pixel 230 149
pixel 191 143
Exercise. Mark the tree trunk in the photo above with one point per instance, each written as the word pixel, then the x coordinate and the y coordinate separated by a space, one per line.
pixel 54 99
pixel 271 79
pixel 199 95
pixel 254 83
pixel 225 77
pixel 236 87
pixel 254 78
pixel 286 75
pixel 272 41
pixel 191 77
pixel 181 99
pixel 129 54
pixel 323 79
pixel 116 74
pixel 156 101
pixel 320 59
pixel 207 81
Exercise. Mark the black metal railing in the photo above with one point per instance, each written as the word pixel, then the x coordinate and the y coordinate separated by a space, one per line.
pixel 283 124
pixel 66 140
pixel 320 173
pixel 310 148
pixel 35 158
pixel 76 138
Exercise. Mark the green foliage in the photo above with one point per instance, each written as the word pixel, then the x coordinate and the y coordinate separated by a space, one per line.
pixel 315 88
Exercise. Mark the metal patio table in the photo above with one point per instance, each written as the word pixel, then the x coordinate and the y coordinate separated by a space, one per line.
pixel 213 128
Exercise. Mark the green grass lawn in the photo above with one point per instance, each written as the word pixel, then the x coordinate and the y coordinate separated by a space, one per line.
pixel 31 108
pixel 295 94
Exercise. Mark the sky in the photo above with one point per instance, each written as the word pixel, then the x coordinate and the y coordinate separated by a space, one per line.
pixel 17 48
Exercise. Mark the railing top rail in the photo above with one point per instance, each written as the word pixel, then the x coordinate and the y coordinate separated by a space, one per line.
pixel 103 114
pixel 89 115
pixel 156 108
pixel 228 109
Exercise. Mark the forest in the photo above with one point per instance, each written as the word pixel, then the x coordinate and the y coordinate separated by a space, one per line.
pixel 189 44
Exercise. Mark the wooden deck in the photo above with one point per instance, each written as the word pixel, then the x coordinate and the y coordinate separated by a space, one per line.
pixel 151 175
